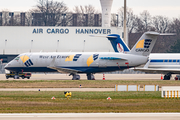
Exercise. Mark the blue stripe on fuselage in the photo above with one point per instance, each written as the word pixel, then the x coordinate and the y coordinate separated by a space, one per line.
pixel 81 69
pixel 164 60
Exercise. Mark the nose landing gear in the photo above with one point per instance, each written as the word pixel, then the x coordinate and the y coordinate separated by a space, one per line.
pixel 167 76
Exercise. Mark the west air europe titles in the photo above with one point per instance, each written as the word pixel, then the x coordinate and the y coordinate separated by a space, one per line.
pixel 67 31
pixel 51 57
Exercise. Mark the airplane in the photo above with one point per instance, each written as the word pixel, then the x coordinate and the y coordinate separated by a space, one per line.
pixel 164 63
pixel 87 62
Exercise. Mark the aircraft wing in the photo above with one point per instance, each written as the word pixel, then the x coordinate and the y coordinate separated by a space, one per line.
pixel 63 70
pixel 158 70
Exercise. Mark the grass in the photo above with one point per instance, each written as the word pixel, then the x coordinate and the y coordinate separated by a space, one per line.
pixel 85 102
pixel 84 83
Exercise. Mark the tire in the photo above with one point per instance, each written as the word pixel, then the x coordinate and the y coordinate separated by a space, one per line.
pixel 16 77
pixel 7 77
pixel 166 77
pixel 28 77
pixel 22 77
pixel 77 77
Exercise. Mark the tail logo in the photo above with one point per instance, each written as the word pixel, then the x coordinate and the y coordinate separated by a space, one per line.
pixel 27 62
pixel 120 48
pixel 143 45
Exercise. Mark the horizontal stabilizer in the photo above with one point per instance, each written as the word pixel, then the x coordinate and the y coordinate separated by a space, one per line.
pixel 168 34
pixel 104 36
pixel 157 34
pixel 117 43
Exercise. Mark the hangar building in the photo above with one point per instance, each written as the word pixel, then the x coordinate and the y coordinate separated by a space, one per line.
pixel 15 40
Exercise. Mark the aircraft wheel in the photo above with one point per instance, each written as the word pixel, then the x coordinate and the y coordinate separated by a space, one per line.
pixel 16 77
pixel 167 77
pixel 76 77
pixel 90 76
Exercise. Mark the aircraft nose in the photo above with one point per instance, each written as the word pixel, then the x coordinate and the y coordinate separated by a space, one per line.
pixel 6 66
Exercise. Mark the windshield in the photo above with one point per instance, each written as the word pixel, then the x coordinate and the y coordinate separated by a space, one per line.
pixel 17 58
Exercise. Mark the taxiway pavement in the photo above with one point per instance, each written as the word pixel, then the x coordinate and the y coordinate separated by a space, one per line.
pixel 97 77
pixel 92 116
pixel 57 89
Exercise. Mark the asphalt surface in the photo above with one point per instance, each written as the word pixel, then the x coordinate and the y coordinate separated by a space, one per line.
pixel 57 89
pixel 92 116
pixel 97 77
pixel 83 77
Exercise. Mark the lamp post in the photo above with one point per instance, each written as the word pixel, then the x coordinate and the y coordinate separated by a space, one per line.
pixel 84 45
pixel 125 28
pixel 57 45
pixel 117 20
pixel 5 47
pixel 31 45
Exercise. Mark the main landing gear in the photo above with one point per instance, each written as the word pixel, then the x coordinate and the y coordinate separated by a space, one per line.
pixel 90 76
pixel 167 76
pixel 75 76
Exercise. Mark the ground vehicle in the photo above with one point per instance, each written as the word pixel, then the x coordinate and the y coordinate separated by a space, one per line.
pixel 21 74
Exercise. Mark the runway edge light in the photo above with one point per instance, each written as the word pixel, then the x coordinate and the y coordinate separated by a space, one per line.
pixel 53 98
pixel 108 98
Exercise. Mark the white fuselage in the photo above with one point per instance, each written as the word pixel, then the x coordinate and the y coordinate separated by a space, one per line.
pixel 165 60
pixel 82 62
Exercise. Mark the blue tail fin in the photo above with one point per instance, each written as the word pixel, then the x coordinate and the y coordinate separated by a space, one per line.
pixel 117 43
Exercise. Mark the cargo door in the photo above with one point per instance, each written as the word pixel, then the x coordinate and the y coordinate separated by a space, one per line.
pixel 102 63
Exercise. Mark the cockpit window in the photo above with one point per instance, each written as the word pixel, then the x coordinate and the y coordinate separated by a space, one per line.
pixel 17 58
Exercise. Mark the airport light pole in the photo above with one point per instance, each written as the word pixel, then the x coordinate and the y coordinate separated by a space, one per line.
pixel 57 45
pixel 31 45
pixel 124 25
pixel 84 45
pixel 117 20
pixel 5 47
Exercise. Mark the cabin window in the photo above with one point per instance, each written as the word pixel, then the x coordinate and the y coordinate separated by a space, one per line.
pixel 167 60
